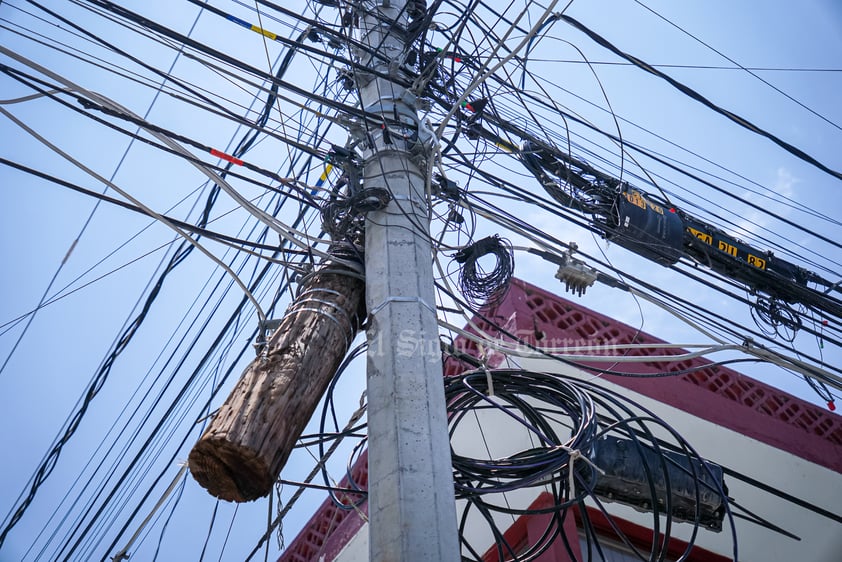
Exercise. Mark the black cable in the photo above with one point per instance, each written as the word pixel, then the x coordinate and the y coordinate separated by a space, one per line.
pixel 142 451
pixel 768 281
pixel 596 370
pixel 228 59
pixel 136 60
pixel 700 98
pixel 741 67
pixel 507 125
pixel 510 221
pixel 206 408
pixel 280 292
pixel 479 286
pixel 543 404
pixel 114 201
pixel 210 531
pixel 49 463
pixel 303 196
pixel 506 220
pixel 465 16
pixel 354 488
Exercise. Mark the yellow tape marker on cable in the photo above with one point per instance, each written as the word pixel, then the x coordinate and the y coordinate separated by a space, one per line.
pixel 263 32
pixel 327 171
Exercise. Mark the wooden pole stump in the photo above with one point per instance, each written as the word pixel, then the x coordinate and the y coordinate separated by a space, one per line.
pixel 244 448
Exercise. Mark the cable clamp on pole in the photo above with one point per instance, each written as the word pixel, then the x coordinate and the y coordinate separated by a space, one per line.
pixel 390 300
pixel 265 329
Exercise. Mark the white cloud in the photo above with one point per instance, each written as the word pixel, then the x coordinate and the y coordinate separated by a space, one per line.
pixel 785 183
pixel 783 187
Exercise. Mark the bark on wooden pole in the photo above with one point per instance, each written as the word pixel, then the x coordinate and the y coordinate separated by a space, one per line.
pixel 242 452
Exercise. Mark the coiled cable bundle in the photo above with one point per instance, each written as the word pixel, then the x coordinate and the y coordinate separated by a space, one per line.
pixel 344 219
pixel 478 286
pixel 519 436
pixel 507 392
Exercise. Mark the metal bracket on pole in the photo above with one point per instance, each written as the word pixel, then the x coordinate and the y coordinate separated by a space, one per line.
pixel 385 303
pixel 265 330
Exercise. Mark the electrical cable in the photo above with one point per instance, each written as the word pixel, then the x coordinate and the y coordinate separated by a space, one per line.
pixel 700 98
pixel 93 210
pixel 478 286
pixel 544 404
pixel 218 236
pixel 478 37
pixel 739 66
pixel 140 205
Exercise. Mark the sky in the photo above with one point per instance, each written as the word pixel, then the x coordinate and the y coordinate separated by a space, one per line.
pixel 48 364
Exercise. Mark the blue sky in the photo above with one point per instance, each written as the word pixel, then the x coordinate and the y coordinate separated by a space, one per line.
pixel 108 272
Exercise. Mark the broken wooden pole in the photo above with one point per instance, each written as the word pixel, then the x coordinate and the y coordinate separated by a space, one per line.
pixel 244 448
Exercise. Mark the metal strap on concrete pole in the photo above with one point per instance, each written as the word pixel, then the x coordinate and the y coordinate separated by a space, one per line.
pixel 412 513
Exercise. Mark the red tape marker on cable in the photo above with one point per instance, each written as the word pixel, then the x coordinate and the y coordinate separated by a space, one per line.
pixel 227 157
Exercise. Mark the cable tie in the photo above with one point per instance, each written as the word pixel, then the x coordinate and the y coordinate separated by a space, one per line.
pixel 462 255
pixel 489 379
pixel 576 454
pixel 483 356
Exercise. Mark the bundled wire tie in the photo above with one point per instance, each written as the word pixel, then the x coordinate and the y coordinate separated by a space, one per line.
pixel 489 379
pixel 326 315
pixel 576 454
pixel 346 329
pixel 335 306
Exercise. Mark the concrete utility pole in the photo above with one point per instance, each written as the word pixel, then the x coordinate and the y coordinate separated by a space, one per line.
pixel 412 513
